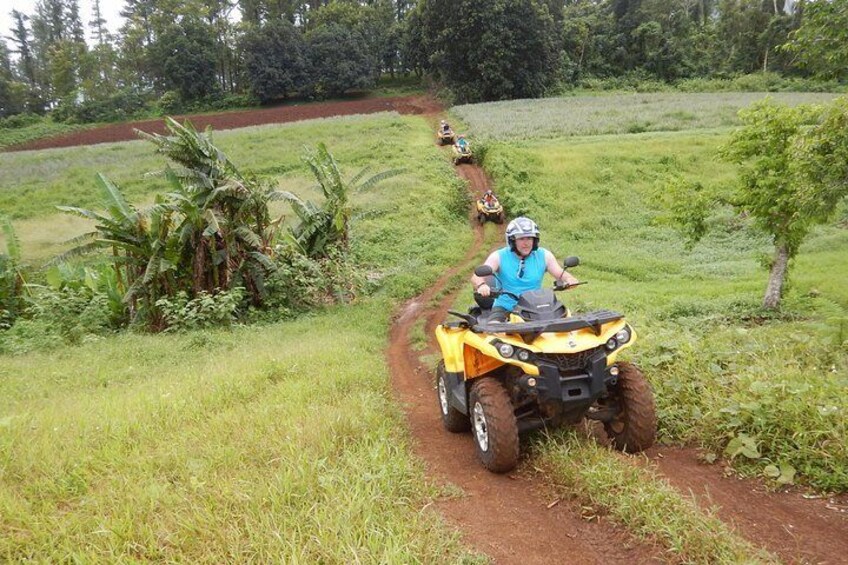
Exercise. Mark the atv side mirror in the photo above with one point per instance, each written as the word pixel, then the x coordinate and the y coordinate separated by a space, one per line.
pixel 571 262
pixel 483 271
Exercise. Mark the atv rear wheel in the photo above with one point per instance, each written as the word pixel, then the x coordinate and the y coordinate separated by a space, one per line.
pixel 635 427
pixel 494 425
pixel 453 420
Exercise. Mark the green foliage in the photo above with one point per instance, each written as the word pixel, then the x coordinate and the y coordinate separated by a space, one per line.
pixel 339 59
pixel 115 107
pixel 185 57
pixel 205 310
pixel 12 283
pixel 488 51
pixel 328 225
pixel 688 206
pixel 212 232
pixel 769 191
pixel 276 61
pixel 820 44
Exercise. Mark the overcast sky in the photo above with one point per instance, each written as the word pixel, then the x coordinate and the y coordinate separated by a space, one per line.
pixel 110 10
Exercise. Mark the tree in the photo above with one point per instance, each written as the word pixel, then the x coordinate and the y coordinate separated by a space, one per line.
pixel 185 58
pixel 490 50
pixel 275 60
pixel 327 226
pixel 794 173
pixel 820 44
pixel 339 60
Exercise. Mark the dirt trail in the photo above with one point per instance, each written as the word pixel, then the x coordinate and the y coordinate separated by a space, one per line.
pixel 504 516
pixel 797 529
pixel 239 118
pixel 508 518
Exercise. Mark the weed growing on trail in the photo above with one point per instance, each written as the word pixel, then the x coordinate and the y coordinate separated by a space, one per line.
pixel 724 371
pixel 615 113
pixel 639 498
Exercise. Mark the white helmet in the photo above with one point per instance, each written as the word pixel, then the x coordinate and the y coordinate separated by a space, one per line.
pixel 522 227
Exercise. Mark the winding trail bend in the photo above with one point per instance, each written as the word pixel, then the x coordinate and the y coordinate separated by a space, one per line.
pixel 509 518
pixel 506 517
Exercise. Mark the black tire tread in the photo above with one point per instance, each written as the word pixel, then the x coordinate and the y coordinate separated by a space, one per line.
pixel 640 411
pixel 503 452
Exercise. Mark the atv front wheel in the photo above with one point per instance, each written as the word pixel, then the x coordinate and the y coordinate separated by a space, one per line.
pixel 453 420
pixel 635 427
pixel 494 425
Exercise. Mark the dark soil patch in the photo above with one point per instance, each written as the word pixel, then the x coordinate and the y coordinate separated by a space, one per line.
pixel 238 119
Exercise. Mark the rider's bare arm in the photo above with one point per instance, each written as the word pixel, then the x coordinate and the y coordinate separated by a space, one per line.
pixel 479 283
pixel 556 271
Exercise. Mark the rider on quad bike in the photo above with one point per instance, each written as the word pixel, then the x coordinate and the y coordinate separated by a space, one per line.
pixel 520 266
pixel 520 360
pixel 489 209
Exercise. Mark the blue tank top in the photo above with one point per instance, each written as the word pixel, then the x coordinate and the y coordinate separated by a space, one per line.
pixel 532 271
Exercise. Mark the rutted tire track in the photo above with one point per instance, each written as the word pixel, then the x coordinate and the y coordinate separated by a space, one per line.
pixel 503 516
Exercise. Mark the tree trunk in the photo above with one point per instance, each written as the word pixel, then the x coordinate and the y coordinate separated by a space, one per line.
pixel 777 276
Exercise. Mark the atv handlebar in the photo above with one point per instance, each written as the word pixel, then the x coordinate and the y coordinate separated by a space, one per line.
pixel 559 285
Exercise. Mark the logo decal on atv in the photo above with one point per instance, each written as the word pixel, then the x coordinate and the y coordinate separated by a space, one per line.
pixel 572 343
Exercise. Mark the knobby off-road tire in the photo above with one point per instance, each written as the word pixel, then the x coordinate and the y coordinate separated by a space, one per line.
pixel 635 428
pixel 453 420
pixel 494 425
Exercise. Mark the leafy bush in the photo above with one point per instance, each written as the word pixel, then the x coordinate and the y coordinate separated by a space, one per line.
pixel 20 120
pixel 203 311
pixel 116 107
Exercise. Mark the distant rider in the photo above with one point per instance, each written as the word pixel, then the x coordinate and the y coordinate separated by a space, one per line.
pixel 520 266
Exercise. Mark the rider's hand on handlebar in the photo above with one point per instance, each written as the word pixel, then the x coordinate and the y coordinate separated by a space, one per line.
pixel 484 290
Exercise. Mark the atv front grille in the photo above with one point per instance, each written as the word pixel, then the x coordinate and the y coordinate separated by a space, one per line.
pixel 566 362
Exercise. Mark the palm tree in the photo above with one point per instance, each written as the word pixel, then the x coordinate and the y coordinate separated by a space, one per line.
pixel 328 225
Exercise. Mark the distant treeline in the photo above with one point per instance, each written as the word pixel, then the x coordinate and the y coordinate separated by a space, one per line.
pixel 216 53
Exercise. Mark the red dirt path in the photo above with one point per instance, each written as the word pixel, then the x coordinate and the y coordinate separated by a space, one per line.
pixel 238 119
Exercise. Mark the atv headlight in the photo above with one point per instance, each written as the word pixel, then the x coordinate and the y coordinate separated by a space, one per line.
pixel 623 336
pixel 611 343
pixel 506 350
pixel 523 355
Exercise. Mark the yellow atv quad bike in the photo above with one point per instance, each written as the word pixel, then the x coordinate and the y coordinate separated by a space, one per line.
pixel 462 152
pixel 446 137
pixel 493 212
pixel 544 367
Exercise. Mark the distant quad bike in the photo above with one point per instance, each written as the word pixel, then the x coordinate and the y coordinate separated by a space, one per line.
pixel 491 211
pixel 462 151
pixel 446 135
pixel 544 367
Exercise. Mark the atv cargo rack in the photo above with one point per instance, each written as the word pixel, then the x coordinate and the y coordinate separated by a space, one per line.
pixel 531 330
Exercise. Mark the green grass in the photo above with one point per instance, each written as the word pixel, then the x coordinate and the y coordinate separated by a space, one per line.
pixel 267 443
pixel 615 113
pixel 277 443
pixel 642 500
pixel 721 367
pixel 43 128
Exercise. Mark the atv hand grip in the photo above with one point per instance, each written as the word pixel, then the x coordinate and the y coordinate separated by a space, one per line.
pixel 559 285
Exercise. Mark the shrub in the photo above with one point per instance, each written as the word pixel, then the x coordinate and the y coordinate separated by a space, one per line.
pixel 204 311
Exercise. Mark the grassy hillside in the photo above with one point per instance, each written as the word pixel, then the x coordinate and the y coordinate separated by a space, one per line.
pixel 267 443
pixel 724 370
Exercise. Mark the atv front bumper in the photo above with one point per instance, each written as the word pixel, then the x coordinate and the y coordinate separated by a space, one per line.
pixel 572 388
